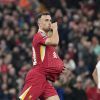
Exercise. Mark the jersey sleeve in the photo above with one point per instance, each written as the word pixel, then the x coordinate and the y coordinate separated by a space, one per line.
pixel 43 39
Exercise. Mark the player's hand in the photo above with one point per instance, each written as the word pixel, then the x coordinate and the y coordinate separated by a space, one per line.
pixel 54 26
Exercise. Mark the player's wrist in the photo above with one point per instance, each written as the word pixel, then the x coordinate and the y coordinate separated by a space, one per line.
pixel 55 29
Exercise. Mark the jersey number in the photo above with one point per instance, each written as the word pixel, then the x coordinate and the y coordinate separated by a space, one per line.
pixel 34 56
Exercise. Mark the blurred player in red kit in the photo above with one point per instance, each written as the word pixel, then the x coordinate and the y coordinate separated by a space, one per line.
pixel 47 65
pixel 96 74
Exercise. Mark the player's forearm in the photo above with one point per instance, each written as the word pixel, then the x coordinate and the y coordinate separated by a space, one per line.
pixel 55 37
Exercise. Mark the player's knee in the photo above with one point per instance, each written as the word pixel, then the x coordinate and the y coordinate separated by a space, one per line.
pixel 56 97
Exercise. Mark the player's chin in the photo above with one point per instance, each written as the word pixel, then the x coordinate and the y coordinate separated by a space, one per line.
pixel 48 29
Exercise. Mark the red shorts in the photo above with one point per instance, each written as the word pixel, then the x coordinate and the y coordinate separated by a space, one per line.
pixel 36 86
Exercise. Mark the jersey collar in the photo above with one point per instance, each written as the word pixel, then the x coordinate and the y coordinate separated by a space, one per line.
pixel 42 32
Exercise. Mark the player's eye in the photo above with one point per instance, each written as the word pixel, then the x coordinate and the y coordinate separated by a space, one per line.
pixel 48 20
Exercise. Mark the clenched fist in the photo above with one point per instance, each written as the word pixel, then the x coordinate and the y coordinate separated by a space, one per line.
pixel 54 26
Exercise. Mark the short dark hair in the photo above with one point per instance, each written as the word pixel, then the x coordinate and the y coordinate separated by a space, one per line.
pixel 41 14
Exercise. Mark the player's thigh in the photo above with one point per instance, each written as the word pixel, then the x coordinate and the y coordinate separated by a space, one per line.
pixel 49 92
pixel 33 87
pixel 31 91
pixel 56 97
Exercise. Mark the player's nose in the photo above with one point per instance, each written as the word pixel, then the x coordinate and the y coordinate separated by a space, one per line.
pixel 49 24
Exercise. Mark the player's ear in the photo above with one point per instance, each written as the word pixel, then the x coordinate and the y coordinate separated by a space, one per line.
pixel 39 22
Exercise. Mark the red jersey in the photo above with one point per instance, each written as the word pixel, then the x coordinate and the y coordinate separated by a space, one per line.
pixel 45 57
pixel 92 93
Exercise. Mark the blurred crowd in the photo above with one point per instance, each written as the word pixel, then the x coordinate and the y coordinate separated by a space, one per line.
pixel 79 46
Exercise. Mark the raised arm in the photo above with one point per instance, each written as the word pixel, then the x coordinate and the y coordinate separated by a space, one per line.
pixel 54 38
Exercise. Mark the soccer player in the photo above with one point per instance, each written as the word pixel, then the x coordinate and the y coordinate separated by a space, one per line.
pixel 96 74
pixel 47 65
